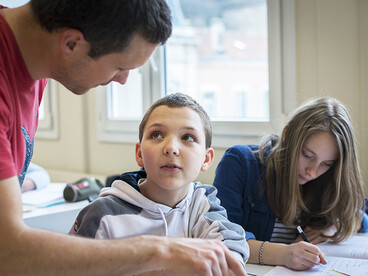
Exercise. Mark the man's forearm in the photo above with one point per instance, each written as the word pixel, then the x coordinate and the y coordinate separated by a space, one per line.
pixel 37 252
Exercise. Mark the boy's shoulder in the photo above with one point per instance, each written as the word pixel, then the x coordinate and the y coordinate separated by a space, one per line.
pixel 209 189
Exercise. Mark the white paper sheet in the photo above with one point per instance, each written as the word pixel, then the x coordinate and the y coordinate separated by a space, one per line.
pixel 336 266
pixel 355 247
pixel 51 194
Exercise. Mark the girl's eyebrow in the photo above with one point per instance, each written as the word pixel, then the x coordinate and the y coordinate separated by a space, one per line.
pixel 311 151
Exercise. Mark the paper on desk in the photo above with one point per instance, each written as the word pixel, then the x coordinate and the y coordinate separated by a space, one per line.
pixel 355 247
pixel 51 194
pixel 335 266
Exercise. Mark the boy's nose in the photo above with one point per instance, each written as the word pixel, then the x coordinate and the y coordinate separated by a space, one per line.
pixel 171 147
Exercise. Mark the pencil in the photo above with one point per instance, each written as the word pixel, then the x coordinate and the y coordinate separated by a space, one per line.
pixel 301 232
pixel 342 273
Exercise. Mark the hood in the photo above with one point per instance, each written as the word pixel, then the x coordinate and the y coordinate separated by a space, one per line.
pixel 131 194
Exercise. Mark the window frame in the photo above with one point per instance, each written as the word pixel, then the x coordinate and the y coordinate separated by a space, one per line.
pixel 282 87
pixel 48 128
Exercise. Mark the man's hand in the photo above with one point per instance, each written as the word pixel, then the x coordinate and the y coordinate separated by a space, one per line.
pixel 197 257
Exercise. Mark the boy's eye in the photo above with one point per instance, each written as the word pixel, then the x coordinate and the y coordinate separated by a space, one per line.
pixel 156 135
pixel 189 138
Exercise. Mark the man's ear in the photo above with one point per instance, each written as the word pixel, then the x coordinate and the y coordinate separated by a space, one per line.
pixel 208 159
pixel 72 41
pixel 138 155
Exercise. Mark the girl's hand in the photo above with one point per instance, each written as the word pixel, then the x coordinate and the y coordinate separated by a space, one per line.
pixel 315 235
pixel 302 256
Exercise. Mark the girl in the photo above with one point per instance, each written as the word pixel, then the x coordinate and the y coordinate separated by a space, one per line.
pixel 308 177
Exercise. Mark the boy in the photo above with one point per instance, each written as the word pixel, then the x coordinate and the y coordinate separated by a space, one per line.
pixel 174 146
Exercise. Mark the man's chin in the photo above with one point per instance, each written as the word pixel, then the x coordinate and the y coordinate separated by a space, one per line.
pixel 78 90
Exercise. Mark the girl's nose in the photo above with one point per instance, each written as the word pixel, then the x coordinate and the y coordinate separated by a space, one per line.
pixel 312 171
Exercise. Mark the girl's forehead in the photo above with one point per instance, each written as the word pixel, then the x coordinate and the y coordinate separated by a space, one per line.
pixel 323 143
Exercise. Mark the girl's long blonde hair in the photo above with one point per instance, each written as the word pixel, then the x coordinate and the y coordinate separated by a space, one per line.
pixel 336 197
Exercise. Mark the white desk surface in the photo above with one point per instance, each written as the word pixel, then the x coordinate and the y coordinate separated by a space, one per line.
pixel 56 218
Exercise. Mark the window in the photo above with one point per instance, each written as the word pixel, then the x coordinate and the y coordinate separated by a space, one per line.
pixel 223 44
pixel 229 56
pixel 13 3
pixel 48 120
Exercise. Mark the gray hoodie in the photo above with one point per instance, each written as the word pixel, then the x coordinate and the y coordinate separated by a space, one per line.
pixel 122 211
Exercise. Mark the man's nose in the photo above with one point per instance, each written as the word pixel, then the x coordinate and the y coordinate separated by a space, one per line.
pixel 121 77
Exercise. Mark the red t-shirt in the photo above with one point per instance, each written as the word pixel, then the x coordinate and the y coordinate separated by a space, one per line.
pixel 20 98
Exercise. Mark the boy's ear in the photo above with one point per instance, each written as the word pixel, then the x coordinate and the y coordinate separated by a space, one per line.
pixel 138 155
pixel 208 159
pixel 72 41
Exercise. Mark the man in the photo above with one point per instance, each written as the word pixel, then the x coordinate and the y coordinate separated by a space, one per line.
pixel 81 44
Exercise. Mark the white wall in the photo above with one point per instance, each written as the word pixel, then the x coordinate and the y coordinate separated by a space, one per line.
pixel 332 60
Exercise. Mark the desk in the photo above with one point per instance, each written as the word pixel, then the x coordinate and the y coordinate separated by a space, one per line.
pixel 58 218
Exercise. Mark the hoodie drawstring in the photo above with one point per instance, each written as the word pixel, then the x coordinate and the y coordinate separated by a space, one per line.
pixel 165 222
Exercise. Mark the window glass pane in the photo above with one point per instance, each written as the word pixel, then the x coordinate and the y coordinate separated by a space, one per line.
pixel 41 110
pixel 124 102
pixel 45 106
pixel 13 3
pixel 218 54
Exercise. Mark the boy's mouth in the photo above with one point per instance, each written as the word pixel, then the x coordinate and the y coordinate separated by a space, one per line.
pixel 170 166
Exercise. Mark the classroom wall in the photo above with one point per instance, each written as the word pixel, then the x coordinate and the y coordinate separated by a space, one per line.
pixel 332 60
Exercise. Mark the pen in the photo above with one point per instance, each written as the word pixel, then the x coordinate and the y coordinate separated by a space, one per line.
pixel 301 232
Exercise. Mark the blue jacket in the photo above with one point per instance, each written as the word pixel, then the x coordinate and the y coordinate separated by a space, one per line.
pixel 239 181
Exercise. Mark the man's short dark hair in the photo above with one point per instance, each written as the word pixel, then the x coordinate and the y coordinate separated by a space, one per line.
pixel 108 25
